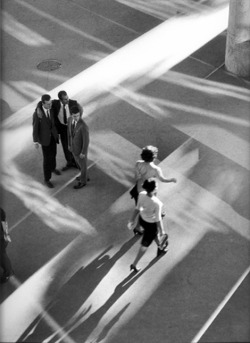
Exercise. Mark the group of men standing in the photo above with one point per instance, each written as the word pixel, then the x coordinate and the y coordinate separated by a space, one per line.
pixel 62 118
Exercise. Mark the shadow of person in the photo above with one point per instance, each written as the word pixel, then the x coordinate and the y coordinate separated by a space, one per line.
pixel 72 295
pixel 81 329
pixel 112 322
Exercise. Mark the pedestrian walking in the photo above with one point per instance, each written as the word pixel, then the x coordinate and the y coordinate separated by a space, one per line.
pixel 149 209
pixel 61 108
pixel 78 139
pixel 5 240
pixel 145 169
pixel 45 134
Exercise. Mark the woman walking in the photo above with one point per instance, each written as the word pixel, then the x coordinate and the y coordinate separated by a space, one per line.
pixel 145 169
pixel 149 208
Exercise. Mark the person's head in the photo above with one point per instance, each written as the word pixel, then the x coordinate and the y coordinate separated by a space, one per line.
pixel 149 153
pixel 75 113
pixel 46 101
pixel 63 97
pixel 150 185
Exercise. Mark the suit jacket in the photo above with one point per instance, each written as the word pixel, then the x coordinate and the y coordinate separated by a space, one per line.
pixel 78 138
pixel 43 127
pixel 56 105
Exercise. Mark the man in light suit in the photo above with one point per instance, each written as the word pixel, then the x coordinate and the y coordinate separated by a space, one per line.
pixel 45 134
pixel 78 139
pixel 62 111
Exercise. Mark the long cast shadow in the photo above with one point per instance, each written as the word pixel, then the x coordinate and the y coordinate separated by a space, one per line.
pixel 81 329
pixel 73 294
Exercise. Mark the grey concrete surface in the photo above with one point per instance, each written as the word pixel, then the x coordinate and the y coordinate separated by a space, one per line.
pixel 70 249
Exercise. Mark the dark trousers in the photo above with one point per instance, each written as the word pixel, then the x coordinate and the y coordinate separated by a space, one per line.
pixel 82 165
pixel 5 261
pixel 64 140
pixel 49 159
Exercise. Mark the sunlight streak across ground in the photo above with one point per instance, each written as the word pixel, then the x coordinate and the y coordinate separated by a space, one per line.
pixel 21 32
pixel 146 57
pixel 165 9
pixel 219 123
pixel 59 22
pixel 32 296
pixel 37 199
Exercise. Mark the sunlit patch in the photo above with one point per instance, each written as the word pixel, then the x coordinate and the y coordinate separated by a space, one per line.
pixel 37 199
pixel 157 107
pixel 206 86
pixel 29 89
pixel 143 59
pixel 21 32
pixel 31 298
pixel 63 24
pixel 165 9
pixel 115 163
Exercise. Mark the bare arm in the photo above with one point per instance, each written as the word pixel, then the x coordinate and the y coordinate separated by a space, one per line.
pixel 160 227
pixel 162 178
pixel 134 215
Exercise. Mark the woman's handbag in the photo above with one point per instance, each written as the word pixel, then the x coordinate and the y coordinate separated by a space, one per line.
pixel 134 193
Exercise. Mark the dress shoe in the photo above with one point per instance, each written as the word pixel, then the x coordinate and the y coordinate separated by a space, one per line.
pixel 5 277
pixel 161 252
pixel 79 185
pixel 137 232
pixel 66 167
pixel 79 179
pixel 134 268
pixel 49 184
pixel 56 171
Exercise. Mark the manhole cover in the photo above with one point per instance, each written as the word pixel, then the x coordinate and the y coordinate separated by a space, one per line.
pixel 49 65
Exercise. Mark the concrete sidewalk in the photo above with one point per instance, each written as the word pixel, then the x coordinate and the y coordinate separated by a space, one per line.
pixel 71 250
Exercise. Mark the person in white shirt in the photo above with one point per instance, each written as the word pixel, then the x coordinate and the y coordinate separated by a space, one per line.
pixel 62 111
pixel 149 209
pixel 145 169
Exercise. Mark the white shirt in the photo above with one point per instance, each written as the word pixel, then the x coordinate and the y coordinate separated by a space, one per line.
pixel 46 111
pixel 150 208
pixel 60 114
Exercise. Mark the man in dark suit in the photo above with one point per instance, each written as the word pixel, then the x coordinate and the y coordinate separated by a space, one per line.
pixel 45 133
pixel 78 138
pixel 62 110
pixel 5 239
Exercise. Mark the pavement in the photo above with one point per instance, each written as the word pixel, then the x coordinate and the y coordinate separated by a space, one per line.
pixel 145 73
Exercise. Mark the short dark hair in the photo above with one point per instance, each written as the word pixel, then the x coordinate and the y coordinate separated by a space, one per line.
pixel 149 153
pixel 61 94
pixel 149 185
pixel 74 110
pixel 45 97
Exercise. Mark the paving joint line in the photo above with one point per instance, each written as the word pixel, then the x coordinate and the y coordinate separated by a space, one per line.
pixel 220 307
pixel 53 194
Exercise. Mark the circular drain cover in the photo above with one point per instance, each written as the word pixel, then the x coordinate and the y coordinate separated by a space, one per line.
pixel 49 65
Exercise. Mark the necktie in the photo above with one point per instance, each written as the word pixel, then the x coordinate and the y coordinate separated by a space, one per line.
pixel 64 115
pixel 48 116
